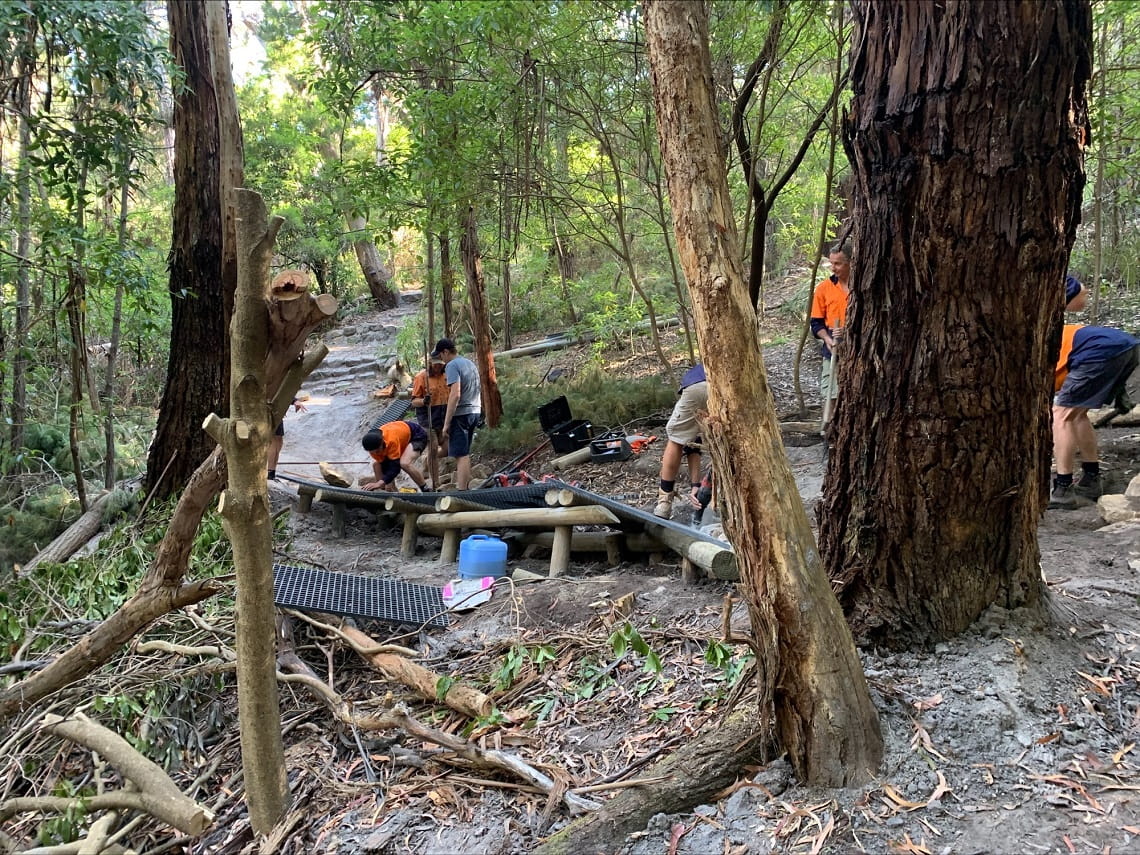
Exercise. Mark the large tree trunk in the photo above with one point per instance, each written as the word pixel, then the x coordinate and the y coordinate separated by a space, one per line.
pixel 481 321
pixel 200 292
pixel 966 135
pixel 810 677
pixel 376 275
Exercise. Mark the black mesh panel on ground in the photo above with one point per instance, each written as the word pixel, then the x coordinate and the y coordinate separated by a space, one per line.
pixel 388 600
pixel 392 413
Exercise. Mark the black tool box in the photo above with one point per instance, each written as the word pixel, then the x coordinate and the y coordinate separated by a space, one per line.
pixel 566 433
pixel 610 446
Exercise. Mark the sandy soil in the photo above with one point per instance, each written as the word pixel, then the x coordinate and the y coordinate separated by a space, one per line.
pixel 1018 737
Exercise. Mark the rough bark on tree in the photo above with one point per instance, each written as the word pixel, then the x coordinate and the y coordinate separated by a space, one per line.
pixel 811 679
pixel 480 320
pixel 966 137
pixel 244 438
pixel 201 297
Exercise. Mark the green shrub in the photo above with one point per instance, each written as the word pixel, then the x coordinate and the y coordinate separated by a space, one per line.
pixel 608 403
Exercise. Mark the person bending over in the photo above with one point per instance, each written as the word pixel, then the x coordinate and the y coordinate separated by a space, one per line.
pixel 393 448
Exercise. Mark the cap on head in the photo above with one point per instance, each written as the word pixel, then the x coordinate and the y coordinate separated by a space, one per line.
pixel 442 345
pixel 1073 288
pixel 436 359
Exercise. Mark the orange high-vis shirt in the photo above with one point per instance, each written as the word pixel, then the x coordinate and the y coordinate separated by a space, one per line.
pixel 424 383
pixel 830 303
pixel 1062 369
pixel 396 436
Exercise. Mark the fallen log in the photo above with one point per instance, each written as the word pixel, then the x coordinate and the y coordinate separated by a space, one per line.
pixel 693 775
pixel 517 518
pixel 157 794
pixel 76 534
pixel 464 699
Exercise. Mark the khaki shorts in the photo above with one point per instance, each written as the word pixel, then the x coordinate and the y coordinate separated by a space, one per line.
pixel 825 379
pixel 683 427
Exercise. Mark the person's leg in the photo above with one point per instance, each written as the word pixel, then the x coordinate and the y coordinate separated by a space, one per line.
pixel 459 448
pixel 407 461
pixel 463 472
pixel 670 466
pixel 1067 438
pixel 276 443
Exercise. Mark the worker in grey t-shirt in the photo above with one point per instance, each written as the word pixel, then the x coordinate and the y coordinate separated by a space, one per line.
pixel 464 408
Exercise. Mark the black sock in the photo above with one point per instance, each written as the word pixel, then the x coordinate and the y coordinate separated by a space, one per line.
pixel 667 486
pixel 1091 468
pixel 272 474
pixel 1063 480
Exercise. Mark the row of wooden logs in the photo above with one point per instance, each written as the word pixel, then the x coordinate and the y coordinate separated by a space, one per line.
pixel 565 509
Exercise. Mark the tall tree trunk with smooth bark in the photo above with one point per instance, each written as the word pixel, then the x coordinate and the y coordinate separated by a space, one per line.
pixel 966 136
pixel 813 694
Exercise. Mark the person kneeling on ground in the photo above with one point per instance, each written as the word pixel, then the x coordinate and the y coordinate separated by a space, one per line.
pixel 1094 368
pixel 394 447
pixel 683 431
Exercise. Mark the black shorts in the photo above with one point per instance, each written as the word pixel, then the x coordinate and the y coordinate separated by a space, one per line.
pixel 419 436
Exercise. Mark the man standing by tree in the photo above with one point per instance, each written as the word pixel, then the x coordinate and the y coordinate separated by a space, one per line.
pixel 464 408
pixel 828 315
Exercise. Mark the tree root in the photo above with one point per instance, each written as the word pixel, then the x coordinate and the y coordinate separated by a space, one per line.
pixel 693 775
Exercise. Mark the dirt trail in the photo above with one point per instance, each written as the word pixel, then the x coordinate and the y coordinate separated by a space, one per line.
pixel 1018 737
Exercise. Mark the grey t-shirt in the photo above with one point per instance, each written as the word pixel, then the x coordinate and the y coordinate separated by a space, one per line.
pixel 464 371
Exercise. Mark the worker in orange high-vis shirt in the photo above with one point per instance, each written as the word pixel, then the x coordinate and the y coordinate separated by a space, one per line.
pixel 828 317
pixel 393 448
pixel 1093 369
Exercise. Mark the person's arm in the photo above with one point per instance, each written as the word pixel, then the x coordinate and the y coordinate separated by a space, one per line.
pixel 452 402
pixel 419 390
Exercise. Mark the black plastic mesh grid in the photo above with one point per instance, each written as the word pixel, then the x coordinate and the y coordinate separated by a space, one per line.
pixel 387 600
pixel 637 515
pixel 392 413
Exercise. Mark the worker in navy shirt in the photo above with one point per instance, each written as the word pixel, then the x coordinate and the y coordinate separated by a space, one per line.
pixel 1093 369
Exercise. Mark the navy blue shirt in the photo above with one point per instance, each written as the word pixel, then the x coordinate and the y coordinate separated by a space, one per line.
pixel 1099 344
pixel 693 376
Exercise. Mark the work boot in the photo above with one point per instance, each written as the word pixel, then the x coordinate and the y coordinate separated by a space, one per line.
pixel 1088 487
pixel 664 507
pixel 1062 498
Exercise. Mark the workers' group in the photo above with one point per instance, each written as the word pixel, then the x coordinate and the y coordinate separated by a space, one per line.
pixel 448 407
pixel 1093 369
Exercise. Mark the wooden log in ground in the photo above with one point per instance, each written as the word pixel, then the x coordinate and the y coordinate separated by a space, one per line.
pixel 718 562
pixel 557 497
pixel 517 518
pixel 702 767
pixel 574 458
pixel 609 542
pixel 451 504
